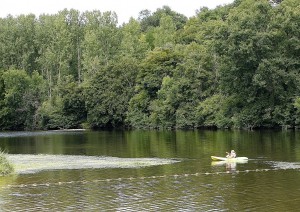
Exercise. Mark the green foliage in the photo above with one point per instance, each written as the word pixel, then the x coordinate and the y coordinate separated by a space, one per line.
pixel 108 94
pixel 50 114
pixel 234 66
pixel 138 110
pixel 209 112
pixel 165 33
pixel 22 97
pixel 258 68
pixel 101 41
pixel 149 20
pixel 17 48
pixel 159 63
pixel 6 167
pixel 297 107
pixel 134 43
pixel 162 108
pixel 66 109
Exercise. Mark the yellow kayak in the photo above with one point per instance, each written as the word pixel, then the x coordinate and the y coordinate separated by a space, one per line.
pixel 216 158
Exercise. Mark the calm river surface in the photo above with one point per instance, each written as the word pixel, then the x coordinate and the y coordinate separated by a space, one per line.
pixel 269 181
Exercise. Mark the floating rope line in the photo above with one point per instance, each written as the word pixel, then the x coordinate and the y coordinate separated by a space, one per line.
pixel 48 184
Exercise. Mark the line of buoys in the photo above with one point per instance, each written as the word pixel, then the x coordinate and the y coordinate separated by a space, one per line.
pixel 48 184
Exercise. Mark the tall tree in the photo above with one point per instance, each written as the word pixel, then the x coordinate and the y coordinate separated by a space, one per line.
pixel 101 41
pixel 159 63
pixel 75 25
pixel 66 109
pixel 165 33
pixel 54 41
pixel 133 42
pixel 256 67
pixel 17 47
pixel 22 98
pixel 108 93
pixel 149 20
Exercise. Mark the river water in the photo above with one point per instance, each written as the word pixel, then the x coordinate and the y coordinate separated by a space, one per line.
pixel 151 171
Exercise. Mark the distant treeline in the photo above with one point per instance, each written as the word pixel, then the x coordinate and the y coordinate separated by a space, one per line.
pixel 236 66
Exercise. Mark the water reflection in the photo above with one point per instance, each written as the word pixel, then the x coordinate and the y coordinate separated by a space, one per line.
pixel 230 166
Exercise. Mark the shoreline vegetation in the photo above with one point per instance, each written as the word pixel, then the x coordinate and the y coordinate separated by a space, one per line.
pixel 6 167
pixel 235 66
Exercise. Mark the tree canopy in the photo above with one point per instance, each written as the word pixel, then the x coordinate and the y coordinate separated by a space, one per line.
pixel 235 66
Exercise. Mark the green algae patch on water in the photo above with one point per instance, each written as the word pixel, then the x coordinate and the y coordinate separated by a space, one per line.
pixel 25 163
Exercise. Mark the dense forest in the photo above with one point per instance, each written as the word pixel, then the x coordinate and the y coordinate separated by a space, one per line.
pixel 235 66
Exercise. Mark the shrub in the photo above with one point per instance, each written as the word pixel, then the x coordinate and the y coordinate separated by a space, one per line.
pixel 5 166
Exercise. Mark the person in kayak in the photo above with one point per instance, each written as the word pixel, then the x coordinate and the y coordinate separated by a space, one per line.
pixel 232 154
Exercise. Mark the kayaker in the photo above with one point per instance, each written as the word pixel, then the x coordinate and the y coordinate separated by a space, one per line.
pixel 232 154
